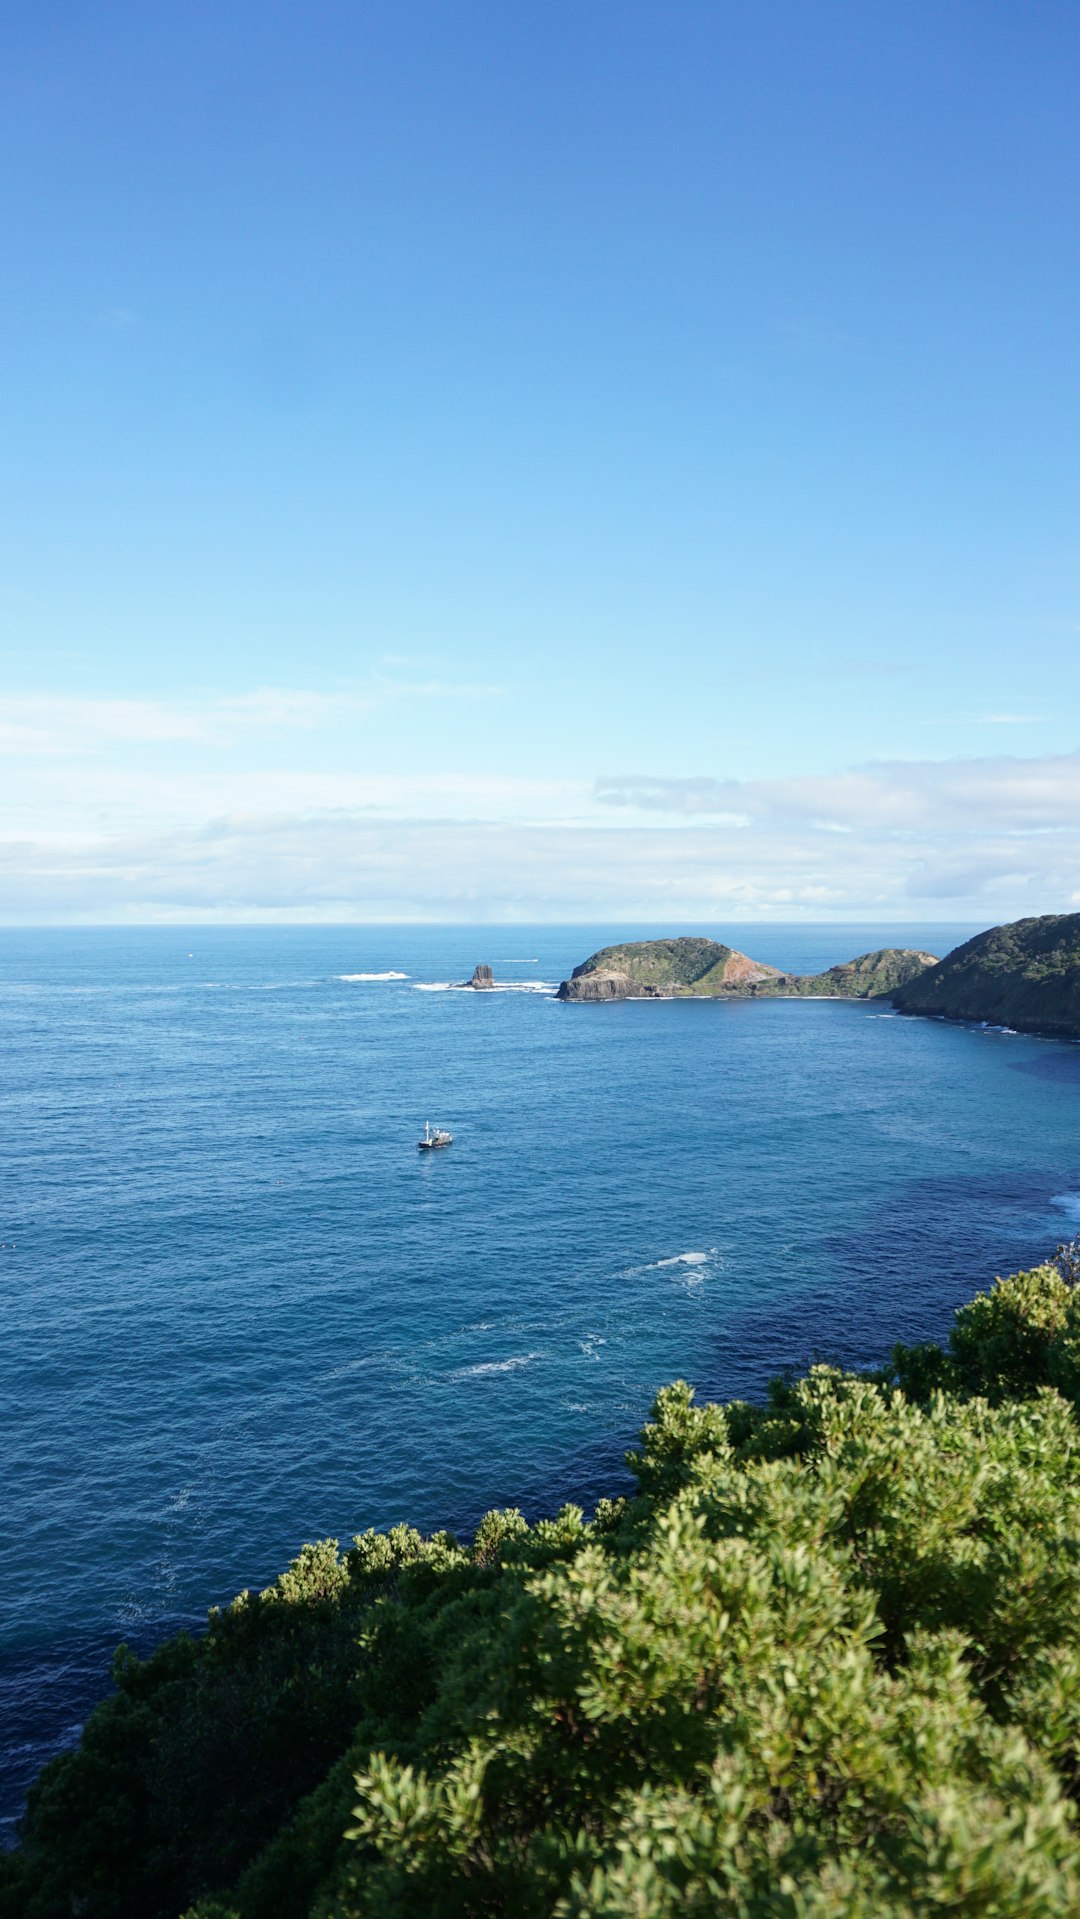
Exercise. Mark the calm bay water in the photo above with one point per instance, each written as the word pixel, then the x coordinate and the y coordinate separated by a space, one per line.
pixel 241 1310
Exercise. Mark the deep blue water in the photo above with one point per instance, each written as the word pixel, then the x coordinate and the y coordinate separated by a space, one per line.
pixel 241 1310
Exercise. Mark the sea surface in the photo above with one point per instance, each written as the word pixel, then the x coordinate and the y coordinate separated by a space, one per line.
pixel 241 1311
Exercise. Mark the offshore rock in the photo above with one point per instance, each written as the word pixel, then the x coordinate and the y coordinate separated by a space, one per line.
pixel 482 981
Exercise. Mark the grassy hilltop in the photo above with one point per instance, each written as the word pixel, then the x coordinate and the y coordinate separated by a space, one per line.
pixel 824 1664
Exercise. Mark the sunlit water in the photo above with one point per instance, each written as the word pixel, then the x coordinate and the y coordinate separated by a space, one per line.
pixel 241 1310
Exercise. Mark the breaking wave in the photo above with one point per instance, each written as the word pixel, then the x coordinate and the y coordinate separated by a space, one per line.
pixel 354 976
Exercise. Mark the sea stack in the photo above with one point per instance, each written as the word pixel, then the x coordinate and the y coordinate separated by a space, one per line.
pixel 483 980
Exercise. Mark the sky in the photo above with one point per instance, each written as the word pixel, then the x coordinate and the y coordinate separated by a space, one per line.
pixel 492 461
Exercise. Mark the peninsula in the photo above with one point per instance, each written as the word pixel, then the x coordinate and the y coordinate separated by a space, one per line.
pixel 695 968
pixel 1025 975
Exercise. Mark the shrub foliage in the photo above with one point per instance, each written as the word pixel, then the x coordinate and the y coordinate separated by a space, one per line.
pixel 824 1665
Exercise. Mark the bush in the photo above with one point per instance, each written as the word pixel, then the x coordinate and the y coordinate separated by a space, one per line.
pixel 824 1665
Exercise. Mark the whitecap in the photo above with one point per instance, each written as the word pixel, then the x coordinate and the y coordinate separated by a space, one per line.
pixel 683 1259
pixel 355 976
pixel 500 986
pixel 494 1366
pixel 1068 1203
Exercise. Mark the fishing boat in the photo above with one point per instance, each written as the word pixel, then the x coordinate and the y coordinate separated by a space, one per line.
pixel 434 1137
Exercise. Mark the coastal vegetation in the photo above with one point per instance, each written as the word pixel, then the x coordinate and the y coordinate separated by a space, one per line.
pixel 1026 975
pixel 704 968
pixel 823 1663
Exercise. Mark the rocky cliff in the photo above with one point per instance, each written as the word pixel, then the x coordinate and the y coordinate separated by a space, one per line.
pixel 704 968
pixel 1025 975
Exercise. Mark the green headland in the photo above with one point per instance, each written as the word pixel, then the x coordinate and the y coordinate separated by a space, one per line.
pixel 1025 975
pixel 704 968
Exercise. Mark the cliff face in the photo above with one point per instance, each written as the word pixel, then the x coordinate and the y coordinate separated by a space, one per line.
pixel 1025 975
pixel 702 968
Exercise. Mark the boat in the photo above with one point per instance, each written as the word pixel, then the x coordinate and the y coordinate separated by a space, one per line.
pixel 434 1137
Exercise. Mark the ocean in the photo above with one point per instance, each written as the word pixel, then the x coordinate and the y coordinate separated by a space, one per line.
pixel 241 1311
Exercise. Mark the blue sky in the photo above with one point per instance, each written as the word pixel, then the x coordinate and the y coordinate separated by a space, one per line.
pixel 540 462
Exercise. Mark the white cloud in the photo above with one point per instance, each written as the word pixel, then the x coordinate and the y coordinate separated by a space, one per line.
pixel 990 837
pixel 357 866
pixel 35 725
pixel 900 796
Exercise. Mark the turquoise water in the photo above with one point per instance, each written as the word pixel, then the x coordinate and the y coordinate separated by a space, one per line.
pixel 242 1311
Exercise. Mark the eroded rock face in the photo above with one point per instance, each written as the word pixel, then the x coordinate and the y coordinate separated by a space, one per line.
pixel 736 973
pixel 483 979
pixel 605 983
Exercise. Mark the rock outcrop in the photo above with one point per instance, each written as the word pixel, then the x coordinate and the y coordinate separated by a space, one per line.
pixel 1025 975
pixel 706 969
pixel 482 981
pixel 601 983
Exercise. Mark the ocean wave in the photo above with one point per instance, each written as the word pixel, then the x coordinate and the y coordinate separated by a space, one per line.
pixel 500 986
pixel 357 976
pixel 1068 1203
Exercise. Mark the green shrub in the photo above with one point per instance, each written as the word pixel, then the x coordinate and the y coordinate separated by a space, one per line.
pixel 824 1665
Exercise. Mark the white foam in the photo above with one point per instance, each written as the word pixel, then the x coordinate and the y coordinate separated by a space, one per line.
pixel 1069 1203
pixel 683 1259
pixel 351 1366
pixel 501 986
pixel 494 1366
pixel 352 976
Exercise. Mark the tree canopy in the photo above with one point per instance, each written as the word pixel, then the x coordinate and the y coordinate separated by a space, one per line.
pixel 824 1664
